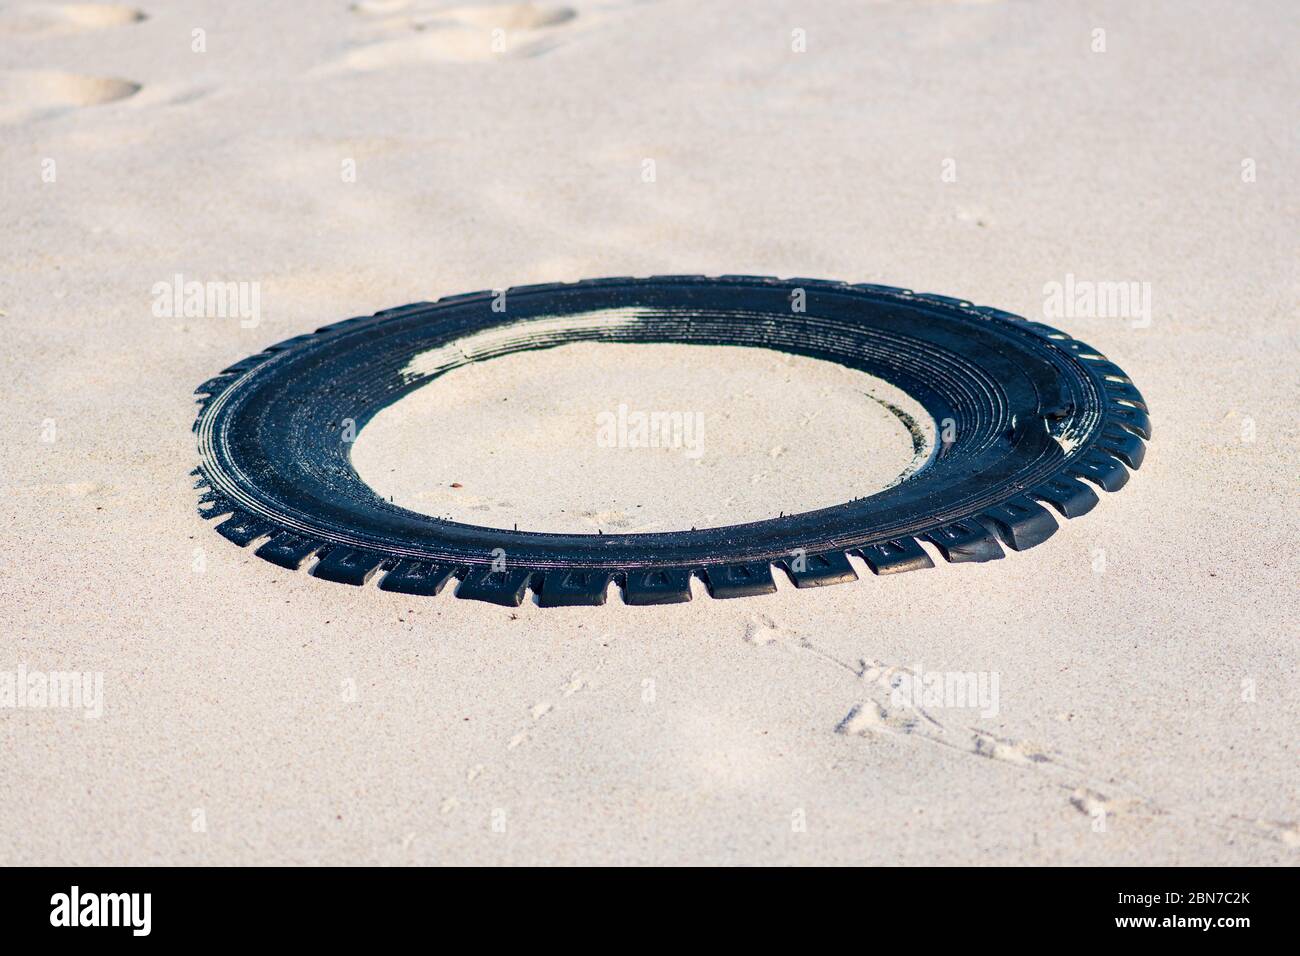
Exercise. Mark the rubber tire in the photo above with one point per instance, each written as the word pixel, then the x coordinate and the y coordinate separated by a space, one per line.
pixel 1039 418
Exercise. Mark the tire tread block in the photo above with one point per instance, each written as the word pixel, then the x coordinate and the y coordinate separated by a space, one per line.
pixel 1126 391
pixel 1103 469
pixel 739 580
pixel 1071 497
pixel 287 549
pixel 966 541
pixel 1124 445
pixel 819 570
pixel 895 556
pixel 243 528
pixel 496 587
pixel 347 566
pixel 646 586
pixel 1020 522
pixel 422 578
pixel 212 504
pixel 1132 419
pixel 574 587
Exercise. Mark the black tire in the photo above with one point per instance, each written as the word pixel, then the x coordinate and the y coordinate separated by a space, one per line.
pixel 1035 412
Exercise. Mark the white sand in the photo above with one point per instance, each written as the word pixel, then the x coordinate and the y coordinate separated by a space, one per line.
pixel 1146 656
pixel 556 444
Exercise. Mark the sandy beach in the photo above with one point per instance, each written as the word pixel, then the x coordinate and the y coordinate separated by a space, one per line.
pixel 333 159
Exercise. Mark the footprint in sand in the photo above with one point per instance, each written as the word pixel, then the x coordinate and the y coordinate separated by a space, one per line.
pixel 506 16
pixel 35 94
pixel 66 18
pixel 379 8
pixel 469 34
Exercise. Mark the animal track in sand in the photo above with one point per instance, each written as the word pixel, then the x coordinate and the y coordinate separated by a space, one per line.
pixel 880 714
pixel 1093 804
pixel 576 682
pixel 31 94
pixel 66 18
pixel 1019 752
pixel 465 34
pixel 870 717
pixel 1288 834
